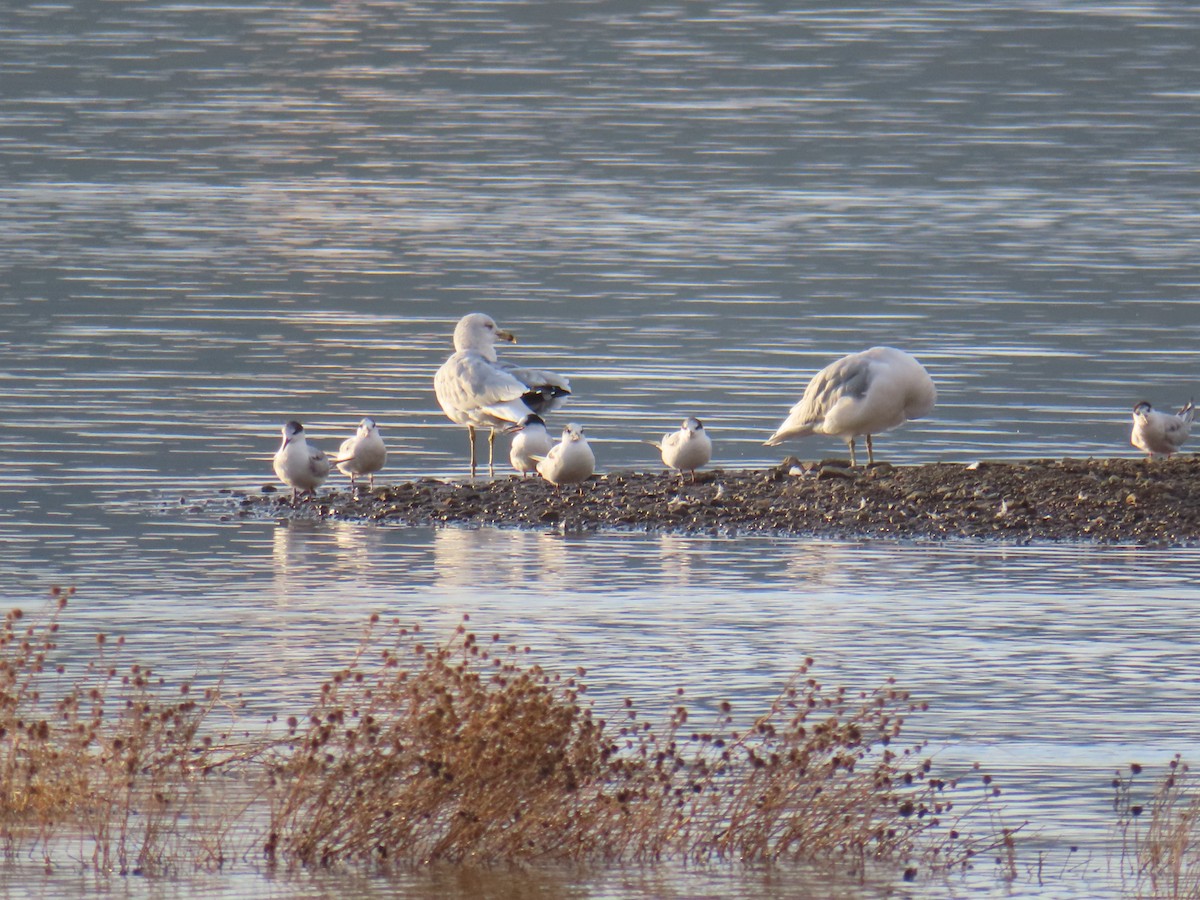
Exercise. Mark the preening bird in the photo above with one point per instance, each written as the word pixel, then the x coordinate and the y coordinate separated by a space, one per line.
pixel 531 441
pixel 861 394
pixel 1160 433
pixel 477 390
pixel 299 464
pixel 687 449
pixel 570 460
pixel 363 454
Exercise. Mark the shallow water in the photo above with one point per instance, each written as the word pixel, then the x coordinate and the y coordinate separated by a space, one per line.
pixel 219 218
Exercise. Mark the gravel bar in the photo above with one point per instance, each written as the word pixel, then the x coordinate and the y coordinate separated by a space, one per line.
pixel 1111 501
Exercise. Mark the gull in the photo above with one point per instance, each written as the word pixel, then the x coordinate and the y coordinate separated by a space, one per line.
pixel 530 443
pixel 1158 432
pixel 863 393
pixel 687 449
pixel 570 460
pixel 363 454
pixel 299 464
pixel 477 390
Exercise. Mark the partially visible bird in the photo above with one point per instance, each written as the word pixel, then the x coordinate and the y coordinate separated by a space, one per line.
pixel 1158 432
pixel 299 464
pixel 570 460
pixel 687 449
pixel 530 442
pixel 363 454
pixel 863 393
pixel 477 390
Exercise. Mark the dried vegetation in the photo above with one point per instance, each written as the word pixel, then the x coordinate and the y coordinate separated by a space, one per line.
pixel 106 755
pixel 468 752
pixel 1160 835
pixel 462 751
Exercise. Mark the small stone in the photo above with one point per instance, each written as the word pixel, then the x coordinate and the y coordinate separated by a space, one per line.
pixel 833 470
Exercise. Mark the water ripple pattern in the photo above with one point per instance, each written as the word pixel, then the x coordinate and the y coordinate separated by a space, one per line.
pixel 217 218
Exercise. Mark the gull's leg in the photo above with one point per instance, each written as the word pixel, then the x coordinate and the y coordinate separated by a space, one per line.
pixel 851 445
pixel 491 452
pixel 870 451
pixel 471 432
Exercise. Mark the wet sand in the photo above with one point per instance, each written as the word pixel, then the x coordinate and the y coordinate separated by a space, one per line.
pixel 1106 501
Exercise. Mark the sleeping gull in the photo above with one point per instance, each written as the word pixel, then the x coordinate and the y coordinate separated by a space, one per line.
pixel 1158 432
pixel 570 460
pixel 530 442
pixel 477 390
pixel 299 464
pixel 863 393
pixel 363 454
pixel 687 449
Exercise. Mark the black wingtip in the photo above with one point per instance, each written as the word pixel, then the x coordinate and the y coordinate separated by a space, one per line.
pixel 538 398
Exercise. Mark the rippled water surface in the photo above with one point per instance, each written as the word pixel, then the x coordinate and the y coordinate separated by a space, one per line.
pixel 216 218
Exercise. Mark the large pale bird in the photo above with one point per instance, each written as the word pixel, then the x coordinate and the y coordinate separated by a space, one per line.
pixel 477 390
pixel 861 394
pixel 299 464
pixel 1160 433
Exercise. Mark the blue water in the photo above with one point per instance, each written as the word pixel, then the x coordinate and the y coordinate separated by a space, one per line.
pixel 216 219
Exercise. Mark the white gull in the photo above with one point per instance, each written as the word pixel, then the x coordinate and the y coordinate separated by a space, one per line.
pixel 299 464
pixel 861 394
pixel 477 390
pixel 1160 433
pixel 363 454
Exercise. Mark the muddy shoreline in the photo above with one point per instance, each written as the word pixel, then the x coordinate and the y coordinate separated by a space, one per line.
pixel 1127 501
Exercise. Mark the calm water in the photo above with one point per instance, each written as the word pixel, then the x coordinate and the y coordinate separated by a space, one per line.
pixel 216 218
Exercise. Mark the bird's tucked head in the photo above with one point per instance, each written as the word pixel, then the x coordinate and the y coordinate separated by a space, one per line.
pixel 691 423
pixel 366 426
pixel 1143 408
pixel 572 432
pixel 532 419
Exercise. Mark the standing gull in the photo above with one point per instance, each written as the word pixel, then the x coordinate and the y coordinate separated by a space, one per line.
pixel 477 390
pixel 363 454
pixel 570 460
pixel 299 464
pixel 1158 432
pixel 530 443
pixel 687 449
pixel 863 393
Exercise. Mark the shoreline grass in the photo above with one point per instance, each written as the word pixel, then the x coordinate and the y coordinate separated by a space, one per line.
pixel 466 750
pixel 463 751
pixel 1159 830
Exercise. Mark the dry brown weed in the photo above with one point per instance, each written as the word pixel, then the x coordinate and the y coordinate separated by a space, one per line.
pixel 103 754
pixel 467 751
pixel 1160 835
